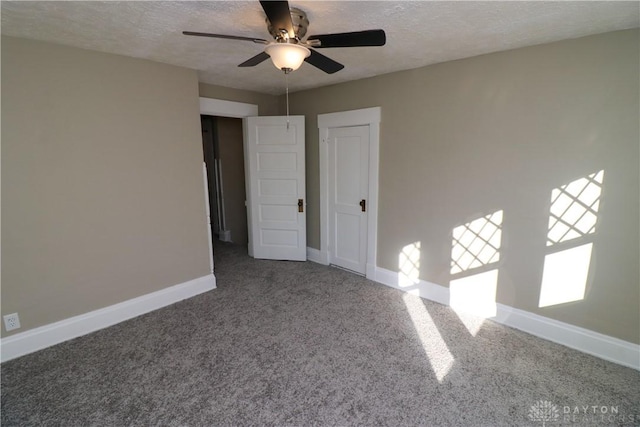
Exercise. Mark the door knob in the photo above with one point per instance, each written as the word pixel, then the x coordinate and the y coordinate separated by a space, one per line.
pixel 363 205
pixel 300 205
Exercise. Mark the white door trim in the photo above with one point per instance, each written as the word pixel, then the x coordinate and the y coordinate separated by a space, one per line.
pixel 221 108
pixel 366 116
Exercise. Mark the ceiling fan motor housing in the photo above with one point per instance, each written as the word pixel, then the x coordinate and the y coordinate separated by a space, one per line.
pixel 300 25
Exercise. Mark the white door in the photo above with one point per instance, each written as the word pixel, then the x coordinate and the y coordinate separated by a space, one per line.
pixel 348 195
pixel 275 180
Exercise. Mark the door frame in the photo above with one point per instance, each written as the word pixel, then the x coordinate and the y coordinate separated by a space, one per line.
pixel 366 116
pixel 221 108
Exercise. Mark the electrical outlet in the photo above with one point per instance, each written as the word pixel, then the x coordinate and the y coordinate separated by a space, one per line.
pixel 11 321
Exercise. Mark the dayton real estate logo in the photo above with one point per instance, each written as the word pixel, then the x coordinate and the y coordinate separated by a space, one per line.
pixel 544 411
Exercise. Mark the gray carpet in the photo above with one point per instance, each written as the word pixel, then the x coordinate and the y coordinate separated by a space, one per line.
pixel 285 343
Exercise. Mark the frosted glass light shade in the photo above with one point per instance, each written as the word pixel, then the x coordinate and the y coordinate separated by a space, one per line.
pixel 287 56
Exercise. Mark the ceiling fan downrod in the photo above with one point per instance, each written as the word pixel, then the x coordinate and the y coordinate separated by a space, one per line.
pixel 299 22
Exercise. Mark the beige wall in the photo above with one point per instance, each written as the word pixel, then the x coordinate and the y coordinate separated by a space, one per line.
pixel 466 138
pixel 102 187
pixel 268 105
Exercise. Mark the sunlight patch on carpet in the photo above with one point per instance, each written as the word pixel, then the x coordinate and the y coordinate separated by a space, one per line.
pixel 435 348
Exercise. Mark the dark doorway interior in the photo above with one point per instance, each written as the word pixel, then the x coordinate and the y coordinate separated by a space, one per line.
pixel 222 144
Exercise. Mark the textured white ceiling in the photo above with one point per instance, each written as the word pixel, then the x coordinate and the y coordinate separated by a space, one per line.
pixel 419 33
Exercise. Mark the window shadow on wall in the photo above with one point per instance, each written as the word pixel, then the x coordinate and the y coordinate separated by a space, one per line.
pixel 475 252
pixel 476 248
pixel 573 218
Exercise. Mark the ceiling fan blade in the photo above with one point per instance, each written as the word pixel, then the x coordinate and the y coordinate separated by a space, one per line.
pixel 356 38
pixel 252 62
pixel 279 15
pixel 224 36
pixel 324 63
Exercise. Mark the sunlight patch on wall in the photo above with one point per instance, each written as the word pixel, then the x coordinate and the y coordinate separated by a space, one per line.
pixel 573 217
pixel 574 209
pixel 564 278
pixel 476 243
pixel 433 344
pixel 474 298
pixel 409 265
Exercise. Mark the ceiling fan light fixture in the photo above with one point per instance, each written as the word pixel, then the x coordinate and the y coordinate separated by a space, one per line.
pixel 287 56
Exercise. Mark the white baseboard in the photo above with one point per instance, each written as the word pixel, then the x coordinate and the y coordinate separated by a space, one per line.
pixel 590 342
pixel 423 289
pixel 54 333
pixel 316 256
pixel 370 271
pixel 587 341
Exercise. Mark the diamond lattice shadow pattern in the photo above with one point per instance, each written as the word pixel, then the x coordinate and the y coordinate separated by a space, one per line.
pixel 574 209
pixel 476 243
pixel 409 263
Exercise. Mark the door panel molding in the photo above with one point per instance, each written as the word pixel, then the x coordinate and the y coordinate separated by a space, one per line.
pixel 275 186
pixel 348 192
pixel 372 118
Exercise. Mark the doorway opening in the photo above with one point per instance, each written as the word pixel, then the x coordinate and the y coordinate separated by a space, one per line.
pixel 222 144
pixel 221 108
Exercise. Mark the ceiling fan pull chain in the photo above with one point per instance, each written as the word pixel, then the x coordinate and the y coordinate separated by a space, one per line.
pixel 286 79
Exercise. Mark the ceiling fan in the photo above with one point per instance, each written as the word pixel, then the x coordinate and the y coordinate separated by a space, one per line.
pixel 288 26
